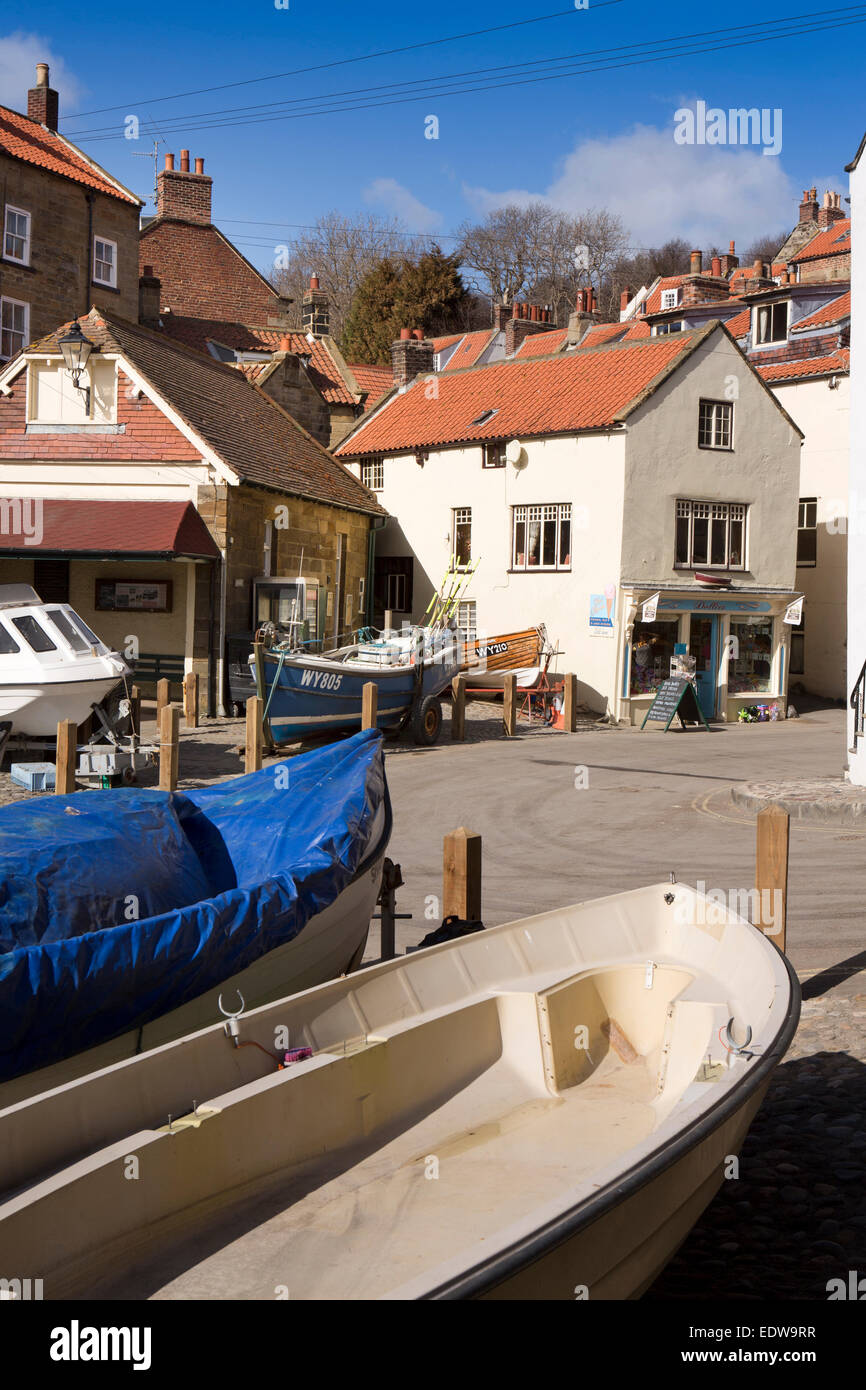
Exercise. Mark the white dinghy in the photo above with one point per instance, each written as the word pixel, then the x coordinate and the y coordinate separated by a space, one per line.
pixel 52 666
pixel 541 1110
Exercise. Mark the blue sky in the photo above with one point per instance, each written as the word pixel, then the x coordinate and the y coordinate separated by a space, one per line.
pixel 603 139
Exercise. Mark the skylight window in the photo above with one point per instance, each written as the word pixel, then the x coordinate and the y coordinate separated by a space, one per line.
pixel 484 417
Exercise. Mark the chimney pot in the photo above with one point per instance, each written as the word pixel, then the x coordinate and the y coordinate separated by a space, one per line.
pixel 695 263
pixel 759 266
pixel 405 334
pixel 624 299
pixel 418 334
pixel 199 165
pixel 43 103
pixel 732 249
pixel 717 266
pixel 169 161
pixel 314 282
pixel 184 161
pixel 285 343
pixel 534 313
pixel 42 75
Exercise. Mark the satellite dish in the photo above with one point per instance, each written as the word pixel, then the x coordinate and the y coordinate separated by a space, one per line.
pixel 514 452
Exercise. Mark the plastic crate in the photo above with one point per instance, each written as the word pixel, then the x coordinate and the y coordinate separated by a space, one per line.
pixel 35 777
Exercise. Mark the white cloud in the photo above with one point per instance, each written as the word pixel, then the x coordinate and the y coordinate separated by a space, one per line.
pixel 705 194
pixel 399 202
pixel 19 54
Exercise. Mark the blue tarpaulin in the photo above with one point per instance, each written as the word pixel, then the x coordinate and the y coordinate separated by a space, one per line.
pixel 118 906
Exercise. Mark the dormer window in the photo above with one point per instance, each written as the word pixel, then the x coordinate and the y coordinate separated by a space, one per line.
pixel 670 299
pixel 771 323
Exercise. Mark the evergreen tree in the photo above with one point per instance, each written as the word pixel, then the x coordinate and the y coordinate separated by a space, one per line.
pixel 426 293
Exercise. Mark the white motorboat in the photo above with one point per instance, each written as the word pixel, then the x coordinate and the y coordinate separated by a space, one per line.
pixel 52 666
pixel 537 1111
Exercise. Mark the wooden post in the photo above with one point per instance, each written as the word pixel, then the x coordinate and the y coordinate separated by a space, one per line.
pixel 169 730
pixel 461 875
pixel 369 705
pixel 253 758
pixel 509 704
pixel 259 668
pixel 569 690
pixel 135 709
pixel 389 619
pixel 67 749
pixel 190 699
pixel 163 697
pixel 458 708
pixel 771 873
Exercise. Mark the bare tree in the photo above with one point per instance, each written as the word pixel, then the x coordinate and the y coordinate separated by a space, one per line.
pixel 764 248
pixel 341 251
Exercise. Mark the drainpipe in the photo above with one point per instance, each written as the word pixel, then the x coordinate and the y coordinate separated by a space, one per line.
pixel 211 645
pixel 88 258
pixel 379 524
pixel 221 648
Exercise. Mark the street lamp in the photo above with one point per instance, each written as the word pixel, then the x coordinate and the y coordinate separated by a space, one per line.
pixel 76 349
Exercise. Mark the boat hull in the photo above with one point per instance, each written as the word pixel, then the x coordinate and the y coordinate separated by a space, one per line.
pixel 317 696
pixel 36 710
pixel 463 1063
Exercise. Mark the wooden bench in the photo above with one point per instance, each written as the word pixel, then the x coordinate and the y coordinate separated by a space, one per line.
pixel 150 667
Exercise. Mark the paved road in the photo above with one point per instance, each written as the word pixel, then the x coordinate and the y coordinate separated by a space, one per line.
pixel 653 802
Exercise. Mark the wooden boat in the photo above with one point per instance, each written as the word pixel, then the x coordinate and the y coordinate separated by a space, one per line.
pixel 52 666
pixel 538 1111
pixel 307 695
pixel 522 653
pixel 124 915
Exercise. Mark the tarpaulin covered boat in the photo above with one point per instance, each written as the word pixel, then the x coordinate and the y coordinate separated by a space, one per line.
pixel 123 914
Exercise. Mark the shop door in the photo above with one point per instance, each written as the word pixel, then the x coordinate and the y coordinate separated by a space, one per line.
pixel 703 646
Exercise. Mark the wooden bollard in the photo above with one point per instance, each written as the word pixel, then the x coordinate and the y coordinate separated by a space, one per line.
pixel 163 696
pixel 569 709
pixel 190 699
pixel 253 756
pixel 135 709
pixel 369 705
pixel 169 741
pixel 458 708
pixel 461 875
pixel 509 704
pixel 771 873
pixel 67 752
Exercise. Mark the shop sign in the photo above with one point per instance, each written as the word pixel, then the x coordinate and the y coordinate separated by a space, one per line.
pixel 715 605
pixel 602 611
pixel 648 609
pixel 794 612
pixel 676 697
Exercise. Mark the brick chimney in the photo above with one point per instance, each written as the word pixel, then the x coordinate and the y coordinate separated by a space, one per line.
pixel 502 313
pixel 582 317
pixel 411 356
pixel 183 195
pixel 809 206
pixel 149 288
pixel 831 211
pixel 43 103
pixel 316 310
pixel 624 300
pixel 526 320
pixel 731 261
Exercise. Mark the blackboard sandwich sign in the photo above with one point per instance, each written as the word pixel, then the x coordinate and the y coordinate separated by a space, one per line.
pixel 676 697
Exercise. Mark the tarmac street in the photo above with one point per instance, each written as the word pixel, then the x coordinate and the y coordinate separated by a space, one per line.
pixel 568 817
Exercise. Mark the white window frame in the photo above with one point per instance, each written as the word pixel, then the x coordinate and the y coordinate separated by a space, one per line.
pixel 670 299
pixel 494 448
pixel 373 473
pixel 97 279
pixel 7 255
pixel 716 514
pixel 467 620
pixel 540 512
pixel 768 309
pixel 460 516
pixel 721 411
pixel 16 304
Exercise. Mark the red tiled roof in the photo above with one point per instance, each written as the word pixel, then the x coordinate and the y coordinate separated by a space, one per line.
pixel 539 344
pixel 439 344
pixel 609 333
pixel 811 366
pixel 653 301
pixel 637 330
pixel 833 241
pixel 835 312
pixel 739 325
pixel 323 370
pixel 253 436
pixel 124 528
pixel 372 379
pixel 549 395
pixel 470 349
pixel 34 144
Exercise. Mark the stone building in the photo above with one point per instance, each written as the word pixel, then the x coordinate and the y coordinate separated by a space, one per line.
pixel 161 489
pixel 70 230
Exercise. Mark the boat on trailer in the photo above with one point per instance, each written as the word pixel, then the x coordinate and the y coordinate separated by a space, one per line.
pixel 537 1111
pixel 307 694
pixel 52 665
pixel 125 915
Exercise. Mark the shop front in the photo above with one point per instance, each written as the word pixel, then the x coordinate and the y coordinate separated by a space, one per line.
pixel 739 644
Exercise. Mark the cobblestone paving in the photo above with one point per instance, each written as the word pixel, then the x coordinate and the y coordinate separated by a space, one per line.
pixel 796 1216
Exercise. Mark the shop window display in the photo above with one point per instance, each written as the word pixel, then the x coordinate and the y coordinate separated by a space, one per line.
pixel 652 646
pixel 751 660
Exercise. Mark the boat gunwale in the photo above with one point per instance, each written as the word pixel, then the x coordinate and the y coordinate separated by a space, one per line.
pixel 505 1264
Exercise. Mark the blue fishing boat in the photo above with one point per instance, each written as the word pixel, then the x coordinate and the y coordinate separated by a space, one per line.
pixel 307 695
pixel 124 915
